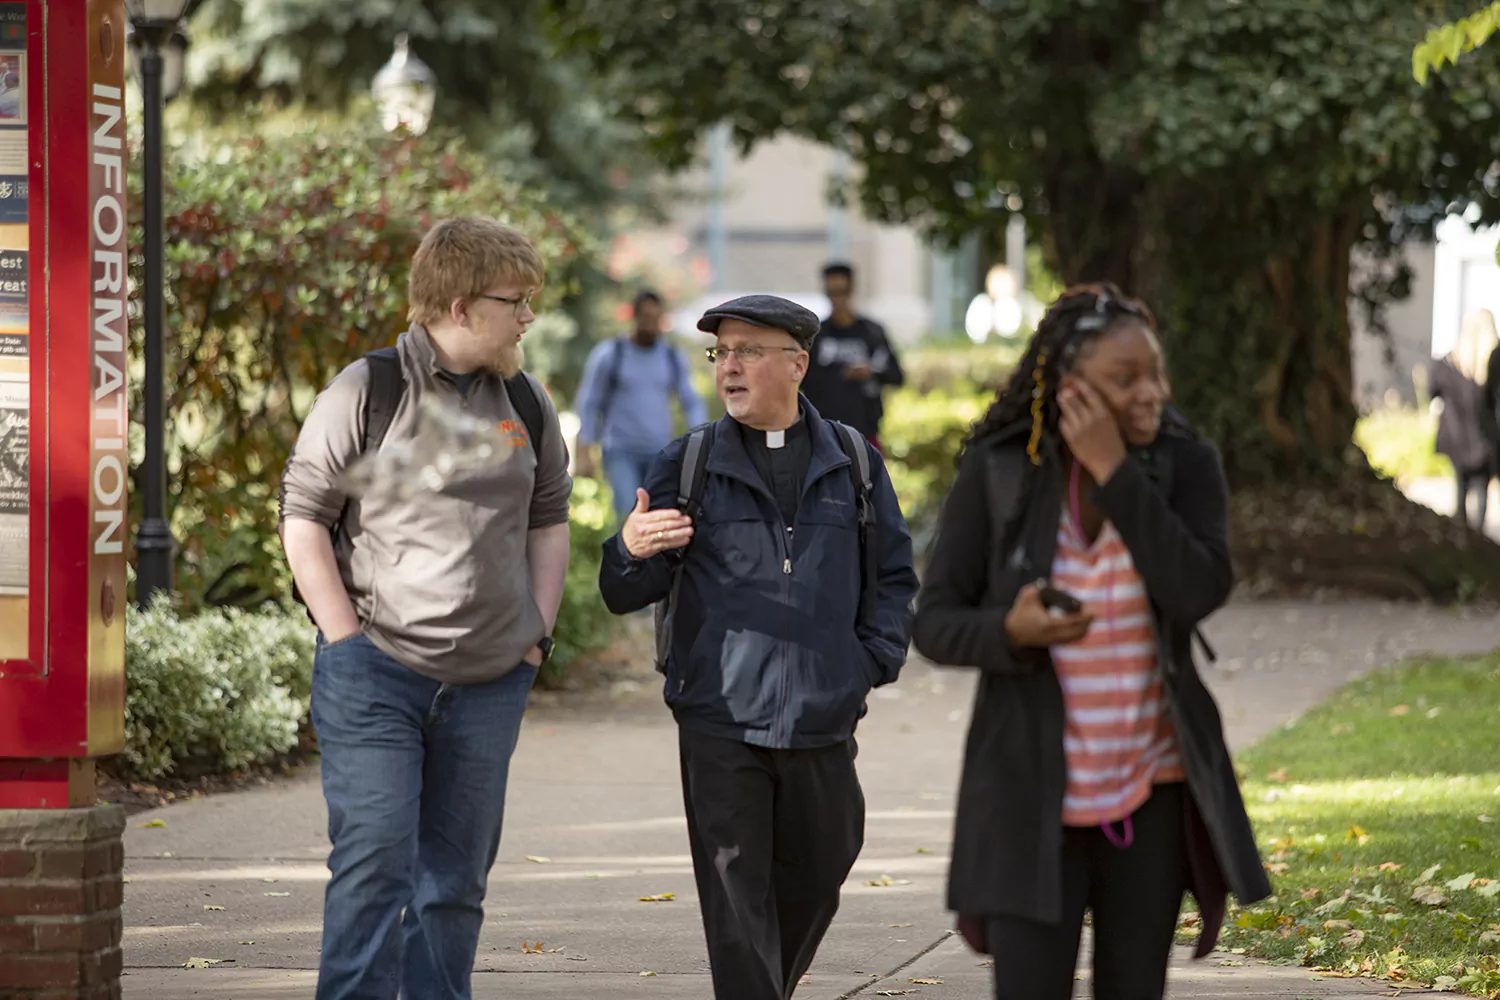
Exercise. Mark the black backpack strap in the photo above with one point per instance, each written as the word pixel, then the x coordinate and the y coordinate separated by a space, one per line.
pixel 524 396
pixel 858 449
pixel 387 386
pixel 382 399
pixel 611 379
pixel 690 479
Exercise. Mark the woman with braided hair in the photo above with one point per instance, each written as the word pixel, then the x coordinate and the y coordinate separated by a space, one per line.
pixel 1083 541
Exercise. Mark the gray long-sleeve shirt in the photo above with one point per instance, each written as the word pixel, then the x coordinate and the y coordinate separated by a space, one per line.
pixel 440 583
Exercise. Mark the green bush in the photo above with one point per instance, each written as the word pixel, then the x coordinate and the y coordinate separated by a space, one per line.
pixel 960 366
pixel 212 692
pixel 584 624
pixel 1399 444
pixel 922 434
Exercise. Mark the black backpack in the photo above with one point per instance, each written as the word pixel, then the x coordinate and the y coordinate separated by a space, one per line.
pixel 689 500
pixel 388 385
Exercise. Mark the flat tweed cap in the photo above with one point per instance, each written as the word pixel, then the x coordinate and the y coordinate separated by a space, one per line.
pixel 770 311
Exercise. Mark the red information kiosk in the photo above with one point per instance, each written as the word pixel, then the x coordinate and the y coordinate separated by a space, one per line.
pixel 63 470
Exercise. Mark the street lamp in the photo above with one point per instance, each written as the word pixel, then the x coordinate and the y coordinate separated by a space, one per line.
pixel 157 48
pixel 405 90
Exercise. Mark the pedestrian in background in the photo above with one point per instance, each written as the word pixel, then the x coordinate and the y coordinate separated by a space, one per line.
pixel 625 402
pixel 852 361
pixel 1467 429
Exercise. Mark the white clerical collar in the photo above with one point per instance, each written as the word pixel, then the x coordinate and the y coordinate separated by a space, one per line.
pixel 775 439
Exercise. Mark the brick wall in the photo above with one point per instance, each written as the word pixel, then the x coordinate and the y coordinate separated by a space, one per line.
pixel 60 895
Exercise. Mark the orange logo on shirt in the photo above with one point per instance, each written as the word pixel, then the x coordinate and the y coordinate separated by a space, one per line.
pixel 514 431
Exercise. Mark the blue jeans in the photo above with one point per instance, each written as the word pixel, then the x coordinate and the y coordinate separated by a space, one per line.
pixel 414 774
pixel 626 472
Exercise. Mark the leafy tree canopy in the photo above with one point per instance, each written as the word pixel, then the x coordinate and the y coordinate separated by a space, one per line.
pixel 1444 44
pixel 1222 158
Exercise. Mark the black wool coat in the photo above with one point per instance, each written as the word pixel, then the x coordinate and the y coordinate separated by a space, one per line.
pixel 998 532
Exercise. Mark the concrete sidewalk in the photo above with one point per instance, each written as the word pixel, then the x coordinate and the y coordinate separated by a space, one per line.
pixel 595 823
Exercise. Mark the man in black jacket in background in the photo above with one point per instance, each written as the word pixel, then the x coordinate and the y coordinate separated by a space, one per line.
pixel 852 361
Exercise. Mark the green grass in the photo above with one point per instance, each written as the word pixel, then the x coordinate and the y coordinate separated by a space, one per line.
pixel 1398 443
pixel 1356 803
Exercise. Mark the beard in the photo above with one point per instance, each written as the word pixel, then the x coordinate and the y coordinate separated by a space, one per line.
pixel 506 360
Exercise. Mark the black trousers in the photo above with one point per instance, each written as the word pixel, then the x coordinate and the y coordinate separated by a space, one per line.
pixel 1474 483
pixel 773 834
pixel 1135 894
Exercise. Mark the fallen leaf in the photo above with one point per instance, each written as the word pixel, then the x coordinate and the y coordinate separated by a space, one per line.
pixel 201 963
pixel 1462 882
pixel 270 880
pixel 1485 819
pixel 1277 775
pixel 206 907
pixel 894 993
pixel 1433 713
pixel 1231 962
pixel 1357 834
pixel 527 948
pixel 1428 873
pixel 883 880
pixel 804 980
pixel 1277 867
pixel 1489 938
pixel 1309 894
pixel 1400 710
pixel 1337 925
pixel 1390 866
pixel 1444 984
pixel 1429 895
pixel 1353 939
pixel 247 942
pixel 537 860
pixel 645 974
pixel 900 925
pixel 926 982
pixel 661 897
pixel 923 850
pixel 277 895
pixel 1489 891
pixel 156 824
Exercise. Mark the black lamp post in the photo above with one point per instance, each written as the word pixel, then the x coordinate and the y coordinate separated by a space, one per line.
pixel 157 48
pixel 405 91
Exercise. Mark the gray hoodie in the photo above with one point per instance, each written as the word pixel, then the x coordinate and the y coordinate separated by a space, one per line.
pixel 440 583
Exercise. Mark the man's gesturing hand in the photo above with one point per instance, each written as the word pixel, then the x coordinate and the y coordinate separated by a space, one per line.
pixel 648 532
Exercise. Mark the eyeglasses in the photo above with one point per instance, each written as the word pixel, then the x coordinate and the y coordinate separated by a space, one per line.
pixel 747 355
pixel 519 304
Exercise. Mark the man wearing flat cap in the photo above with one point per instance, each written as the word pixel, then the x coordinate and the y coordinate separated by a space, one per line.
pixel 786 571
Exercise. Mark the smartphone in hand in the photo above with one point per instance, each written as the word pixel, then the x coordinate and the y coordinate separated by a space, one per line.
pixel 1057 602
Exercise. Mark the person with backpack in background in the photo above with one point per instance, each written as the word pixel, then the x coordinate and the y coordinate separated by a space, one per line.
pixel 434 616
pixel 853 362
pixel 1461 393
pixel 1082 542
pixel 625 402
pixel 775 550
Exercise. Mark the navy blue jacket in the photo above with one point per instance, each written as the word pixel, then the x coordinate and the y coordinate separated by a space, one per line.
pixel 761 655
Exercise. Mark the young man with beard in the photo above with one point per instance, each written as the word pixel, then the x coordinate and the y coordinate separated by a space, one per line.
pixel 434 615
pixel 625 402
pixel 775 641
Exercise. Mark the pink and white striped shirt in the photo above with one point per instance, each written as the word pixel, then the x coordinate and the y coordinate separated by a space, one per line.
pixel 1118 735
